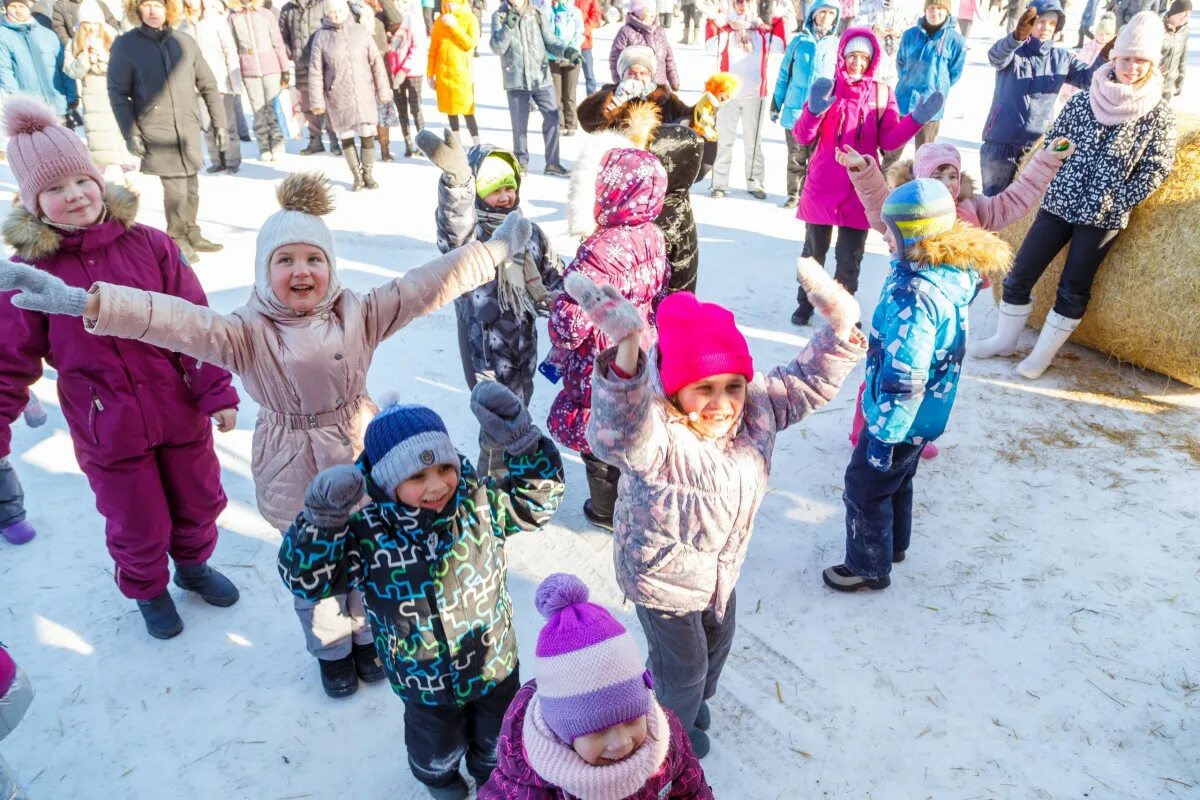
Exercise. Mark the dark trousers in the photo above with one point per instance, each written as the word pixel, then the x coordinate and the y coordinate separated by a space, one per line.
pixel 602 479
pixel 232 156
pixel 12 498
pixel 664 20
pixel 518 112
pixel 797 164
pixel 848 254
pixel 181 204
pixel 316 122
pixel 1049 234
pixel 589 72
pixel 693 20
pixel 408 103
pixel 565 76
pixel 878 508
pixel 472 125
pixel 427 15
pixel 998 165
pixel 928 133
pixel 437 737
pixel 687 650
pixel 964 27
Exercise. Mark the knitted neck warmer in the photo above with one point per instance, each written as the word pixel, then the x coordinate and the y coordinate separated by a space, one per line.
pixel 518 280
pixel 1115 103
pixel 558 764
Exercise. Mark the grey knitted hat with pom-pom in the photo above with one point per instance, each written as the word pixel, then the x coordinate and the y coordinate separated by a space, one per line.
pixel 304 198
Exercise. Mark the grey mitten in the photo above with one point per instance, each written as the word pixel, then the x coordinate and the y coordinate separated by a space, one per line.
pixel 40 291
pixel 503 418
pixel 333 494
pixel 607 308
pixel 510 237
pixel 447 154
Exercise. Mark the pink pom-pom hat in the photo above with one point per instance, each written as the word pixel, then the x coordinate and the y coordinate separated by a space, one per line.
pixel 41 151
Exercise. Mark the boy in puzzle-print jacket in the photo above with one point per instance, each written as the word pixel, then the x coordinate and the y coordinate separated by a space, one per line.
pixel 428 554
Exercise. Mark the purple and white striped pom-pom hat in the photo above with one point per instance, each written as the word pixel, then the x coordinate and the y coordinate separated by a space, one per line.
pixel 590 675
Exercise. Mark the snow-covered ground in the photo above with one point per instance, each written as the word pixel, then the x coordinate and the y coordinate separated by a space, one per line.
pixel 1039 642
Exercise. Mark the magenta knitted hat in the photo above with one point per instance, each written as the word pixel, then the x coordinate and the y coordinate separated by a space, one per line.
pixel 697 340
pixel 590 675
pixel 41 151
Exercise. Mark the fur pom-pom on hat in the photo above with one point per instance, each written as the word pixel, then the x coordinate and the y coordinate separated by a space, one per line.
pixel 41 151
pixel 25 115
pixel 306 192
pixel 559 591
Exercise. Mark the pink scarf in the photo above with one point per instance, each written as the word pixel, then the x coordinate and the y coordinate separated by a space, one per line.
pixel 1115 103
pixel 556 763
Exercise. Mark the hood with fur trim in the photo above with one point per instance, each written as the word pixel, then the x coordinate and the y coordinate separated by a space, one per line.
pixel 636 130
pixel 33 239
pixel 963 247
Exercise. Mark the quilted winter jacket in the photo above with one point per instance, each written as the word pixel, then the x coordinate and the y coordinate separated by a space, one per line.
pixel 500 342
pixel 808 56
pixel 118 397
pixel 627 251
pixel 105 143
pixel 928 64
pixel 524 50
pixel 679 777
pixel 346 68
pixel 686 506
pixel 259 43
pixel 451 53
pixel 652 35
pixel 1113 168
pixel 434 584
pixel 308 374
pixel 31 58
pixel 854 119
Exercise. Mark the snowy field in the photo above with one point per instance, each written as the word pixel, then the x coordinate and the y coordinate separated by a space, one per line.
pixel 1039 642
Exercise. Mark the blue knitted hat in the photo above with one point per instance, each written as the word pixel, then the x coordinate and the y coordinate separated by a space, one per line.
pixel 918 209
pixel 403 440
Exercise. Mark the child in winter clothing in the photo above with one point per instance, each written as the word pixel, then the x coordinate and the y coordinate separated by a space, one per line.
pixel 1174 54
pixel 1124 131
pixel 854 109
pixel 589 726
pixel 408 50
pixel 1105 32
pixel 450 71
pixel 85 59
pixel 628 252
pixel 691 427
pixel 16 694
pixel 930 59
pixel 811 54
pixel 1030 71
pixel 918 340
pixel 14 528
pixel 138 415
pixel 427 552
pixel 497 334
pixel 302 346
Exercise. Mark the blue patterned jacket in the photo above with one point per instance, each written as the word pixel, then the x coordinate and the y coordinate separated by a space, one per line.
pixel 434 585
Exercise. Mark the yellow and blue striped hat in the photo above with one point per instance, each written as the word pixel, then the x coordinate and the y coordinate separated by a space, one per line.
pixel 917 209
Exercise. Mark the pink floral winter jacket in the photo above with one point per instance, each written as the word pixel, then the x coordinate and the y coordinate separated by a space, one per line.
pixel 686 508
pixel 629 252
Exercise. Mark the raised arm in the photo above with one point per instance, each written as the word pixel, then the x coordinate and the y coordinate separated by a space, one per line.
pixel 455 215
pixel 1000 54
pixel 998 212
pixel 319 554
pixel 869 184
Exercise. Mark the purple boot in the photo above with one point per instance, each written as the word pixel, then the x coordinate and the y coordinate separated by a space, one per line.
pixel 19 532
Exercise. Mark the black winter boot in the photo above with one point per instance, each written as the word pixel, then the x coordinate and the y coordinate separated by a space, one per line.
pixel 843 580
pixel 315 145
pixel 367 663
pixel 700 743
pixel 338 676
pixel 162 620
pixel 213 587
pixel 409 149
pixel 351 154
pixel 218 166
pixel 455 791
pixel 703 717
pixel 335 146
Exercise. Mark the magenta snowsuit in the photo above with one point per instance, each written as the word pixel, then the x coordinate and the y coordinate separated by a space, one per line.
pixel 138 414
pixel 864 115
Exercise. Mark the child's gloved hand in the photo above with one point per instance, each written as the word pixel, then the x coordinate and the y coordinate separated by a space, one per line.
pixel 511 237
pixel 1025 24
pixel 333 494
pixel 447 155
pixel 35 415
pixel 503 418
pixel 41 291
pixel 607 308
pixel 828 297
pixel 879 454
pixel 928 108
pixel 820 96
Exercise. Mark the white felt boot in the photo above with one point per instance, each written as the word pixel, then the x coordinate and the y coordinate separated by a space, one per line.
pixel 1054 335
pixel 1008 329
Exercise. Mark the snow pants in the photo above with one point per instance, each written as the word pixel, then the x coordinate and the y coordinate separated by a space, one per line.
pixel 848 255
pixel 332 623
pixel 437 737
pixel 878 508
pixel 688 650
pixel 797 164
pixel 161 502
pixel 998 165
pixel 749 113
pixel 12 498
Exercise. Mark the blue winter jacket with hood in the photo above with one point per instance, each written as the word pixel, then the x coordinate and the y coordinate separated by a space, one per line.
pixel 1029 76
pixel 31 59
pixel 809 56
pixel 927 64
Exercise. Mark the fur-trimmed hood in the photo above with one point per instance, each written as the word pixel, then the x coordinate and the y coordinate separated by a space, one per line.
pixel 34 239
pixel 174 12
pixel 963 247
pixel 638 124
pixel 901 173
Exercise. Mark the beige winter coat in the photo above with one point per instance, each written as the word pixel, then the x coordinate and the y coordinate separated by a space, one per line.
pixel 308 374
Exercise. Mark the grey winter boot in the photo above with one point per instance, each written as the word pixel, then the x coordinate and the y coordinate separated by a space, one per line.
pixel 162 620
pixel 351 153
pixel 213 587
pixel 368 165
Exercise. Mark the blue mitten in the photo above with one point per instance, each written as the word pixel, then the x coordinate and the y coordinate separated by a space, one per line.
pixel 928 108
pixel 820 96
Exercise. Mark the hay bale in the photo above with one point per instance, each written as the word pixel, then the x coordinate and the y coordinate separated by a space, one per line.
pixel 1145 306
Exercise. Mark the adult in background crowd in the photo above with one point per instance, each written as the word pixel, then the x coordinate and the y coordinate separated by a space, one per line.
pixel 347 78
pixel 568 29
pixel 930 59
pixel 406 57
pixel 610 105
pixel 523 36
pixel 298 21
pixel 1127 9
pixel 65 17
pixel 642 28
pixel 1174 52
pixel 264 62
pixel 592 19
pixel 31 59
pixel 376 17
pixel 204 23
pixel 450 69
pixel 154 75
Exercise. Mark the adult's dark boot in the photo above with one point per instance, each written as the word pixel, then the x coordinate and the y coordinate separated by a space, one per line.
pixel 351 154
pixel 385 142
pixel 213 587
pixel 335 147
pixel 315 145
pixel 162 620
pixel 368 165
pixel 219 166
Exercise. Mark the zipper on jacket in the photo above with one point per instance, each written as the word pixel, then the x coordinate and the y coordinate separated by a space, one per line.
pixel 93 412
